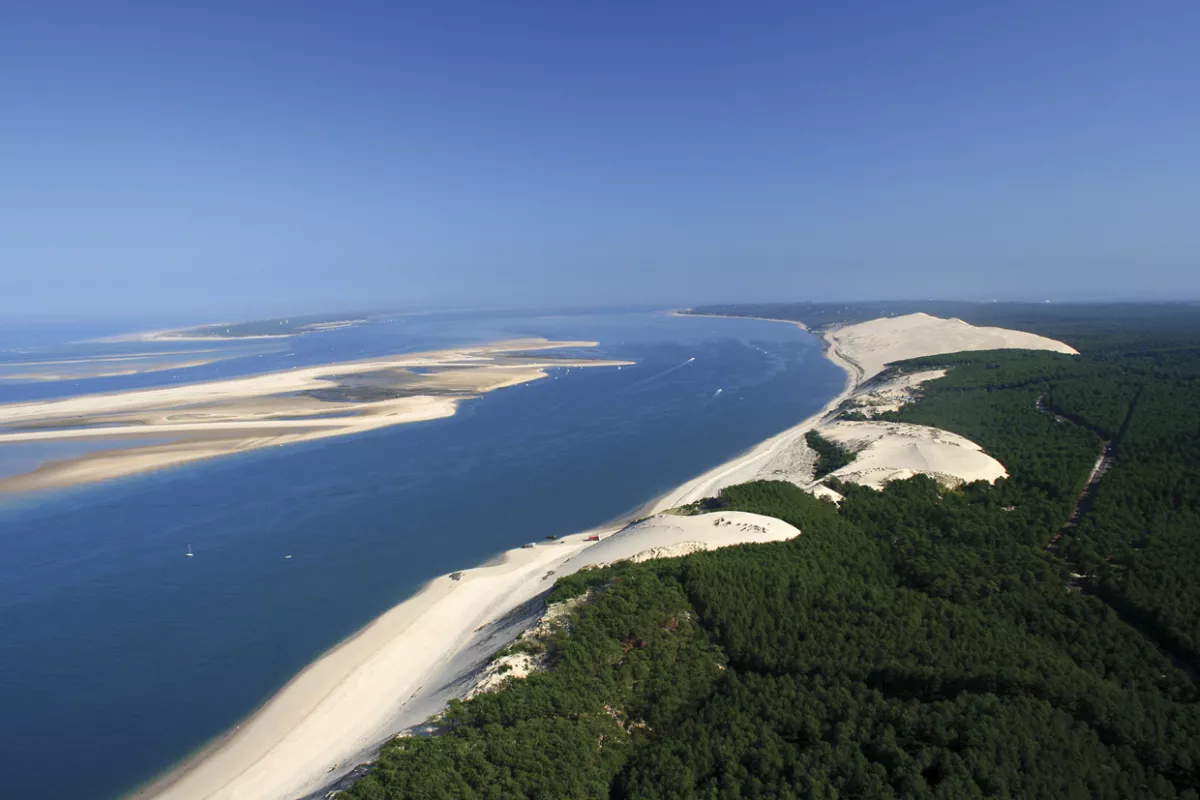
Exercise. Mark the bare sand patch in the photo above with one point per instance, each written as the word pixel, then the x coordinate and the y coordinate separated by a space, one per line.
pixel 108 366
pixel 864 350
pixel 214 418
pixel 888 451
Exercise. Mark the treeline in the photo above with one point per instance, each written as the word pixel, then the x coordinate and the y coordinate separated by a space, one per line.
pixel 831 456
pixel 992 398
pixel 914 642
pixel 1139 543
pixel 917 644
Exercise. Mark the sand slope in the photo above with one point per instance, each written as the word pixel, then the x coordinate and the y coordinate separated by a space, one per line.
pixel 405 665
pixel 889 451
pixel 872 345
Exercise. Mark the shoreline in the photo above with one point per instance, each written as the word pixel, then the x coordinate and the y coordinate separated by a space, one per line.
pixel 436 588
pixel 446 632
pixel 190 763
pixel 730 472
pixel 210 419
pixel 688 313
pixel 483 608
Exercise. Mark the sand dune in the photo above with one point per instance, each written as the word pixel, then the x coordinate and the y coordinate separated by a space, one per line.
pixel 864 350
pixel 405 665
pixel 872 345
pixel 889 451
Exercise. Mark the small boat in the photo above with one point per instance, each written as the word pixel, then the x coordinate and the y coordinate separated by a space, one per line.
pixel 286 558
pixel 189 553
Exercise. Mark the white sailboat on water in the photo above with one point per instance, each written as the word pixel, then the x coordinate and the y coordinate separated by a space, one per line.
pixel 189 553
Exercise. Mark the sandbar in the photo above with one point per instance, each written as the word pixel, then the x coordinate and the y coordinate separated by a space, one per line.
pixel 209 419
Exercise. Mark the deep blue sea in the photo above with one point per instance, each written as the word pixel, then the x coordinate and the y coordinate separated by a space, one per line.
pixel 119 656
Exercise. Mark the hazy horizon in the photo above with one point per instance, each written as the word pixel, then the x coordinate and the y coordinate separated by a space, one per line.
pixel 221 162
pixel 118 321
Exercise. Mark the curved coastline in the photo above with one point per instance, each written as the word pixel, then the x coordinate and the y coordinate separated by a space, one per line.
pixel 442 637
pixel 743 467
pixel 229 757
pixel 402 668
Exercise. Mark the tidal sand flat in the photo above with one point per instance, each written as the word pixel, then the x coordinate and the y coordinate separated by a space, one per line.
pixel 205 420
pixel 258 329
pixel 105 366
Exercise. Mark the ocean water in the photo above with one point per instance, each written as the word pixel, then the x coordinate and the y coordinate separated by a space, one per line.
pixel 119 656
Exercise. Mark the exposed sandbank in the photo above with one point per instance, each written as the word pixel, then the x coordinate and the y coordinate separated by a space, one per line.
pixel 205 420
pixel 234 331
pixel 108 366
pixel 690 313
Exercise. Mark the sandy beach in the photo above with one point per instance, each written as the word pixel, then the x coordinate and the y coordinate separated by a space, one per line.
pixel 402 668
pixel 215 418
pixel 886 453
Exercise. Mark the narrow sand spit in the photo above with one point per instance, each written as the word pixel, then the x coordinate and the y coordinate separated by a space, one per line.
pixel 111 369
pixel 404 666
pixel 205 420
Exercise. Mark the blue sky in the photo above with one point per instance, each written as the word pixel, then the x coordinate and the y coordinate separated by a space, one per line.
pixel 237 159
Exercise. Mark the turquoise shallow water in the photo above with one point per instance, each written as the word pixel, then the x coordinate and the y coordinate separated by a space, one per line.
pixel 119 657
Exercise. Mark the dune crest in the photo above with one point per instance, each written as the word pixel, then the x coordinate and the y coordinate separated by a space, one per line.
pixel 402 668
pixel 864 350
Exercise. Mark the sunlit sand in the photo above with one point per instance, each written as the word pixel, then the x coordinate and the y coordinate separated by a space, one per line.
pixel 403 667
pixel 206 420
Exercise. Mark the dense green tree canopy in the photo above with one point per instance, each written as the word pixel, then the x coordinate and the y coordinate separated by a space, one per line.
pixel 914 642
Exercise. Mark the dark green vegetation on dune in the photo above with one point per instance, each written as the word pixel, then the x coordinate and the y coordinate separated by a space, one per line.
pixel 830 455
pixel 915 642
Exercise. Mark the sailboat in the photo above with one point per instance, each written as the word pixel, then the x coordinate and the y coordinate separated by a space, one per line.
pixel 189 553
